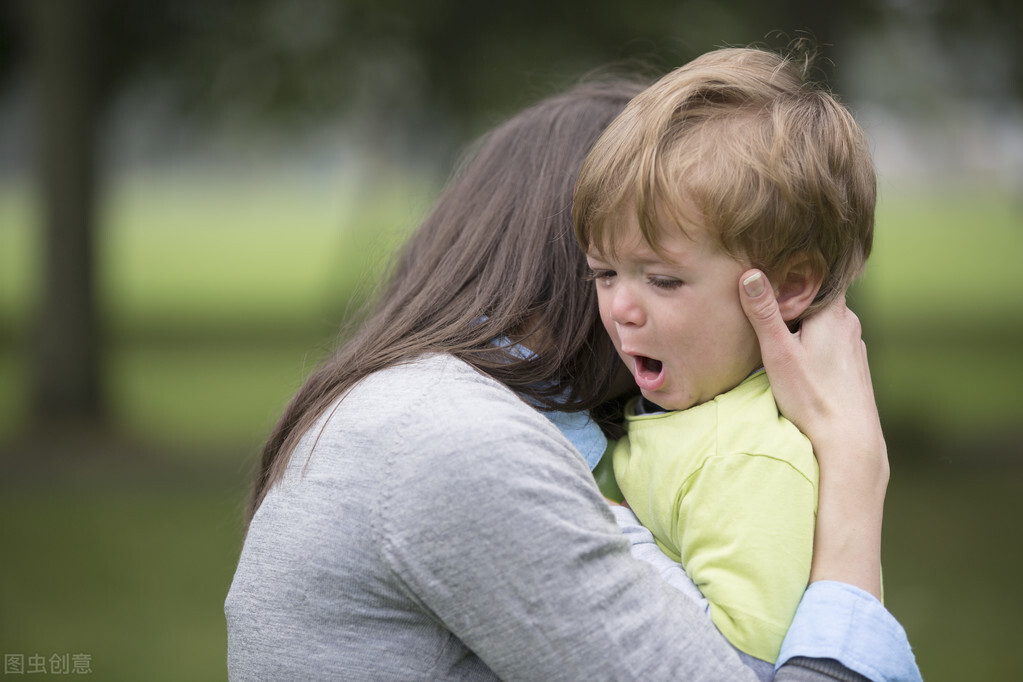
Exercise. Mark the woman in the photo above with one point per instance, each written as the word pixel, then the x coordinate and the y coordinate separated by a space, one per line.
pixel 421 514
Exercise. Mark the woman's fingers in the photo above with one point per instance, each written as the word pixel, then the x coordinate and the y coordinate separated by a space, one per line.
pixel 780 349
pixel 761 307
pixel 820 376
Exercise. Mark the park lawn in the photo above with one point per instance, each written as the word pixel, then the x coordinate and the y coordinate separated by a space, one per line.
pixel 184 256
pixel 135 573
pixel 952 257
pixel 132 575
pixel 942 306
pixel 951 551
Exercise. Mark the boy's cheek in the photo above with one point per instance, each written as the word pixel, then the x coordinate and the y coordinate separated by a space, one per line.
pixel 605 319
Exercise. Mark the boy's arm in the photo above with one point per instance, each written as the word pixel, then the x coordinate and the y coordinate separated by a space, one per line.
pixel 745 531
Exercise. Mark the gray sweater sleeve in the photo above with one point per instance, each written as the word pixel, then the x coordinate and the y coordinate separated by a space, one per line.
pixel 436 527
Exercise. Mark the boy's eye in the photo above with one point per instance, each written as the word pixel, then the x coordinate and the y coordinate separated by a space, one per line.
pixel 668 283
pixel 601 276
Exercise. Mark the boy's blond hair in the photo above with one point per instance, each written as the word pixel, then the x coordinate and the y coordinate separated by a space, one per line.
pixel 740 141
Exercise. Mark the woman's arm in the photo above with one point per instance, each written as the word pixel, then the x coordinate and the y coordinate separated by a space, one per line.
pixel 821 381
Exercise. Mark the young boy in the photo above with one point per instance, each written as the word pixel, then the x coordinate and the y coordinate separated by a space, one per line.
pixel 731 162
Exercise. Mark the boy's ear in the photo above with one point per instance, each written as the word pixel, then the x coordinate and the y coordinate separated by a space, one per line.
pixel 796 285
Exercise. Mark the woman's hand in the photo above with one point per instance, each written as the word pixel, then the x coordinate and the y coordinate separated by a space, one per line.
pixel 821 381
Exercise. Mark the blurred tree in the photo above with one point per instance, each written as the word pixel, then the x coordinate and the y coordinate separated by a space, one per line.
pixel 983 36
pixel 65 351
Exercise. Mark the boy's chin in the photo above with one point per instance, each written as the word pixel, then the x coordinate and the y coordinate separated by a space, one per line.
pixel 664 402
pixel 675 402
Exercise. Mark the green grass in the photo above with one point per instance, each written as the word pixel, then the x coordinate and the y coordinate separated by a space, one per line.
pixel 942 304
pixel 948 258
pixel 952 550
pixel 179 253
pixel 215 396
pixel 136 575
pixel 135 578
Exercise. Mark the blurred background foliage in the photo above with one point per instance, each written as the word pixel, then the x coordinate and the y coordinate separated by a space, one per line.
pixel 194 195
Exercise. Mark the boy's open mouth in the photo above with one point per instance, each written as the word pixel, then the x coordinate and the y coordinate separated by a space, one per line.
pixel 649 373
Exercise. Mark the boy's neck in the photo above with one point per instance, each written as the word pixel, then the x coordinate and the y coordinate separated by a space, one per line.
pixel 647 406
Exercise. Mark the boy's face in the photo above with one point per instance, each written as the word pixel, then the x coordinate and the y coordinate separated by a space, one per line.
pixel 675 319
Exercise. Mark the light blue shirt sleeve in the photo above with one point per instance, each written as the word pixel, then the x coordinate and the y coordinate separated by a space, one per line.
pixel 578 427
pixel 839 621
pixel 582 432
pixel 645 549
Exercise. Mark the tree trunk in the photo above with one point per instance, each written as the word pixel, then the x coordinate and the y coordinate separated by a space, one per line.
pixel 66 377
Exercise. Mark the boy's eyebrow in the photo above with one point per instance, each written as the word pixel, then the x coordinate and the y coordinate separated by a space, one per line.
pixel 652 257
pixel 657 256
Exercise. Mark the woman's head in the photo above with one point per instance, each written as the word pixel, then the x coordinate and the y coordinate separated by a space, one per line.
pixel 495 259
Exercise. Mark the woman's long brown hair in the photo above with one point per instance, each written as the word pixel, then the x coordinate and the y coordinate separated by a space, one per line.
pixel 495 258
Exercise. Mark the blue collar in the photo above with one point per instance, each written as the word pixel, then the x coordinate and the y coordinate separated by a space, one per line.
pixel 582 432
pixel 578 427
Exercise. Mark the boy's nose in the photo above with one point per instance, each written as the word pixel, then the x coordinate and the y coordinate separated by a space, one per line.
pixel 625 307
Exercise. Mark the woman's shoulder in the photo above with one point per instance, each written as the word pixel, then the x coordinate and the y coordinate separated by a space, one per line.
pixel 420 430
pixel 431 403
pixel 437 384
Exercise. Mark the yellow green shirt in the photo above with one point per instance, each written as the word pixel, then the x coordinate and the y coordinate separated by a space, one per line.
pixel 729 489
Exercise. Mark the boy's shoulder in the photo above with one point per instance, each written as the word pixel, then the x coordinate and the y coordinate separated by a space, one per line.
pixel 751 423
